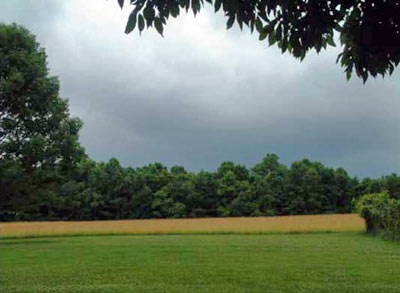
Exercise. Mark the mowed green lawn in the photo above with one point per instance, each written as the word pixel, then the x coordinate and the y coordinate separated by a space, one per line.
pixel 336 262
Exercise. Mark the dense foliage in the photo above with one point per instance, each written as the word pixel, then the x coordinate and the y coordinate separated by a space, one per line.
pixel 45 174
pixel 110 191
pixel 39 145
pixel 369 30
pixel 381 214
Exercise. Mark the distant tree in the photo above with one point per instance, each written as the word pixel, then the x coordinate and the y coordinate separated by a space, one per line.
pixel 344 191
pixel 240 171
pixel 141 204
pixel 272 191
pixel 226 192
pixel 111 181
pixel 162 204
pixel 369 31
pixel 391 184
pixel 305 189
pixel 203 201
pixel 368 185
pixel 245 202
pixel 176 170
pixel 269 164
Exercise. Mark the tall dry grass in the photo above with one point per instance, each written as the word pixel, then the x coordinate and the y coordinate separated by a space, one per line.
pixel 283 224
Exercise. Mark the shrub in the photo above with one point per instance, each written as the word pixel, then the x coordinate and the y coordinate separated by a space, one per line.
pixel 381 214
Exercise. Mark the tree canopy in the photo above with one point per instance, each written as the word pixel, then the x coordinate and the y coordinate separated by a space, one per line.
pixel 35 127
pixel 369 31
pixel 38 139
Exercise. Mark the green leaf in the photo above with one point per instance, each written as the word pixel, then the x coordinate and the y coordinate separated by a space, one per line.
pixel 252 25
pixel 240 21
pixel 230 22
pixel 149 14
pixel 271 38
pixel 284 45
pixel 159 26
pixel 337 27
pixel 217 5
pixel 121 3
pixel 324 43
pixel 259 26
pixel 330 41
pixel 338 57
pixel 130 26
pixel 174 10
pixel 196 6
pixel 348 74
pixel 303 54
pixel 141 23
pixel 343 38
pixel 290 47
pixel 279 33
pixel 364 75
pixel 263 35
pixel 187 5
pixel 318 46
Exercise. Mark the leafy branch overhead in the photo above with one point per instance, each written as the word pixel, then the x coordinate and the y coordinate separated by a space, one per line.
pixel 369 30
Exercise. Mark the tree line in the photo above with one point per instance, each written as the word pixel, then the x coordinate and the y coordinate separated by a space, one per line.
pixel 106 190
pixel 45 173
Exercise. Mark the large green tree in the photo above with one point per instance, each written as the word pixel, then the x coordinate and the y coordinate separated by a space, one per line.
pixel 38 139
pixel 369 30
pixel 35 126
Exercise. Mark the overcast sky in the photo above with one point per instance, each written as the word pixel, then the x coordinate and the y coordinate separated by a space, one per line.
pixel 202 95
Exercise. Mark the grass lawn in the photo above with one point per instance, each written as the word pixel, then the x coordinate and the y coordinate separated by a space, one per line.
pixel 334 262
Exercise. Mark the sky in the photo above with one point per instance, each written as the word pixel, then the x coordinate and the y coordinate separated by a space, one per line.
pixel 202 94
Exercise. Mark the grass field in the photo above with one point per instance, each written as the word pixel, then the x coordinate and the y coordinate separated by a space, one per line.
pixel 279 254
pixel 334 262
pixel 285 224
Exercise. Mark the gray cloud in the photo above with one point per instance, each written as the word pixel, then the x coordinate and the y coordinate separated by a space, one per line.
pixel 202 94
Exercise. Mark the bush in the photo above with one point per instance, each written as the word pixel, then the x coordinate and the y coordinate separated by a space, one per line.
pixel 381 214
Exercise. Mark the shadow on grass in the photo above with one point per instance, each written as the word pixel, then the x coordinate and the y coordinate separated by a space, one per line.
pixel 14 241
pixel 9 239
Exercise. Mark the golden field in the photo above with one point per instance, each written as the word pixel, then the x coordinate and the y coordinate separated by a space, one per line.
pixel 282 224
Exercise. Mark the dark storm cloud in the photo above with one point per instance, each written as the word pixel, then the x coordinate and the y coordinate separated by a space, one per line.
pixel 202 94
